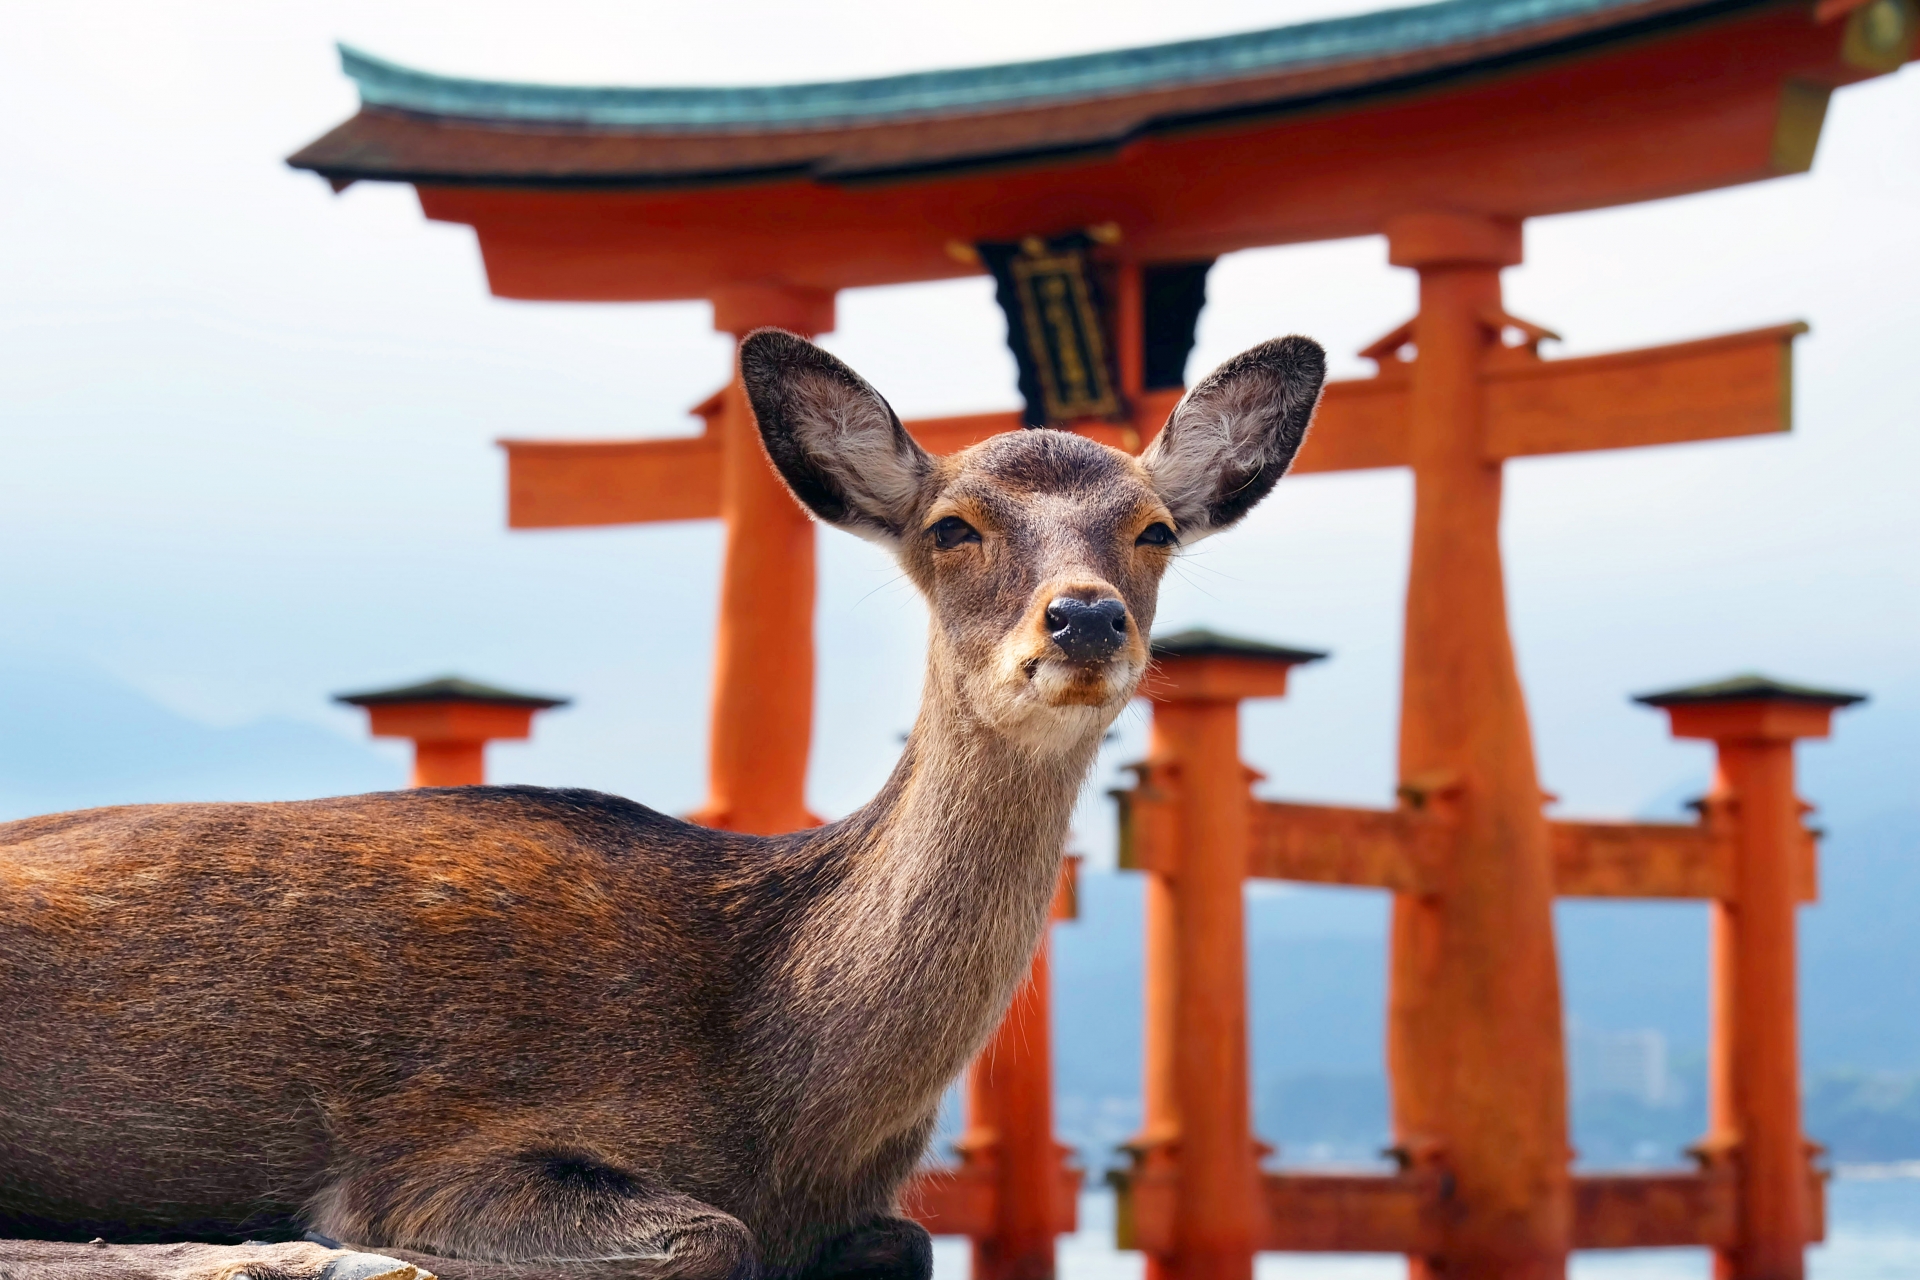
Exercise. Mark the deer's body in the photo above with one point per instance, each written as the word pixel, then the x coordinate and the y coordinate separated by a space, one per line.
pixel 315 1013
pixel 525 1025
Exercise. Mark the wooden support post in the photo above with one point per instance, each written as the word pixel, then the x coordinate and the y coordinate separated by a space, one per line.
pixel 1009 1138
pixel 1216 1223
pixel 459 763
pixel 1474 1026
pixel 450 721
pixel 1198 1128
pixel 763 649
pixel 1754 1071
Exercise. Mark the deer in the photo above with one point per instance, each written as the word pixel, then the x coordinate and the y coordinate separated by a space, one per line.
pixel 515 1031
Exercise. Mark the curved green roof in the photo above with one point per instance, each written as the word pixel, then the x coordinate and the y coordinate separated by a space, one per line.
pixel 964 91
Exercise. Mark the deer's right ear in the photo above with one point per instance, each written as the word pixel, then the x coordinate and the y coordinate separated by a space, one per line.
pixel 836 443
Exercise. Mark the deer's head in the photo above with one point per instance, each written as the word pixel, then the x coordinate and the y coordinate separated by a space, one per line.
pixel 1040 552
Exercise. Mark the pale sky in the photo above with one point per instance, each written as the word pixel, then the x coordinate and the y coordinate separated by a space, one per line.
pixel 246 425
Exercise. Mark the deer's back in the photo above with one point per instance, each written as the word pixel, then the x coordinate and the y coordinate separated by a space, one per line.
pixel 204 1006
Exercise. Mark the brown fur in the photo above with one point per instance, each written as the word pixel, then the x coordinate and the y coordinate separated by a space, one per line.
pixel 529 1025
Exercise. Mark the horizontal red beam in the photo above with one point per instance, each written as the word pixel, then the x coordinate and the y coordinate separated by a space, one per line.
pixel 1735 385
pixel 1401 849
pixel 1333 1213
pixel 1408 1212
pixel 1395 849
pixel 961 1200
pixel 560 483
pixel 1655 1210
pixel 950 1200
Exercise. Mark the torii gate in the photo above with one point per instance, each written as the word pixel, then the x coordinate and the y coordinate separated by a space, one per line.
pixel 1442 128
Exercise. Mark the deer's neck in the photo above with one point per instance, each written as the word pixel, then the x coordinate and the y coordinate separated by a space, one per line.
pixel 905 969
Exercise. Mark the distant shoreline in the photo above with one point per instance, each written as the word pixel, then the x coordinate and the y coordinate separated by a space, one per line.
pixel 1883 1172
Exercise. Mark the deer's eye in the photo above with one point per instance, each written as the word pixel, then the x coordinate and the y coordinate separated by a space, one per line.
pixel 951 532
pixel 1156 534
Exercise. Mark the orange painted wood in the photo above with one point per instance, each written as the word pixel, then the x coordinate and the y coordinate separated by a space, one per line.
pixel 1217 1218
pixel 1008 1146
pixel 1639 860
pixel 1400 849
pixel 1010 1138
pixel 1665 1210
pixel 1715 388
pixel 1737 385
pixel 449 721
pixel 1361 424
pixel 1754 1062
pixel 1659 860
pixel 566 483
pixel 1148 830
pixel 449 738
pixel 1757 721
pixel 1303 1212
pixel 1327 1213
pixel 1652 1211
pixel 762 722
pixel 561 483
pixel 449 764
pixel 1192 1198
pixel 1145 1197
pixel 1309 1212
pixel 1146 1202
pixel 1696 109
pixel 740 308
pixel 1475 1053
pixel 1214 678
pixel 1329 844
pixel 950 1200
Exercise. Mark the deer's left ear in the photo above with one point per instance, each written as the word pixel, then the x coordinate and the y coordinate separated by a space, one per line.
pixel 1233 436
pixel 836 443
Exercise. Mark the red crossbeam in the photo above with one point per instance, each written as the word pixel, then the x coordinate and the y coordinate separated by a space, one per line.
pixel 1399 849
pixel 1735 385
pixel 1408 1212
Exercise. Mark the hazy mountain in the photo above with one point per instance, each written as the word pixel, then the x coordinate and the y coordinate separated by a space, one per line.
pixel 73 737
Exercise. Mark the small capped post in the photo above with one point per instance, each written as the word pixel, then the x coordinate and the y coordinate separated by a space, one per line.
pixel 1196 1134
pixel 1753 1086
pixel 450 721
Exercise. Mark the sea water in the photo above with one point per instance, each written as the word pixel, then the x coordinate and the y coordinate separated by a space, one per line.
pixel 1873 1233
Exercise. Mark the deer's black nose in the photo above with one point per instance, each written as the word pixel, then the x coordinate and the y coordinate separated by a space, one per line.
pixel 1087 632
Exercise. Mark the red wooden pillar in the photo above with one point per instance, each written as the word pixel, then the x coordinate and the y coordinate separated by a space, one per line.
pixel 450 721
pixel 1197 1122
pixel 1009 1140
pixel 1474 1025
pixel 763 649
pixel 1754 1072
